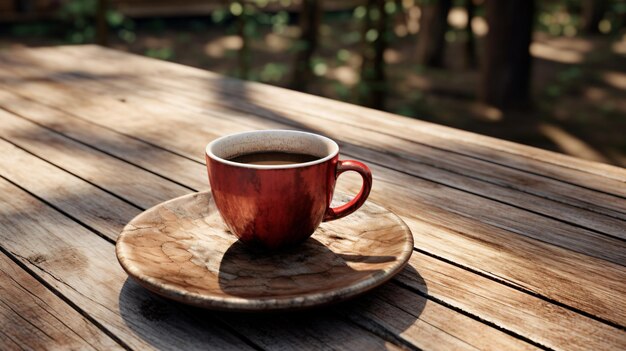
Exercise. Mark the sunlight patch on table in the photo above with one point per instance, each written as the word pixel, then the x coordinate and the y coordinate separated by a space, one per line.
pixel 419 81
pixel 457 18
pixel 392 56
pixel 218 47
pixel 413 24
pixel 487 113
pixel 480 26
pixel 345 74
pixel 569 143
pixel 580 45
pixel 615 79
pixel 595 94
pixel 548 52
pixel 619 47
pixel 277 43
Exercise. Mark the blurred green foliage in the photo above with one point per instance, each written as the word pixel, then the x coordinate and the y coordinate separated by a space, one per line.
pixel 161 53
pixel 564 17
pixel 269 33
pixel 566 80
pixel 252 20
pixel 78 18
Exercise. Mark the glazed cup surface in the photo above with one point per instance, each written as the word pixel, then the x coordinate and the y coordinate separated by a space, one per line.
pixel 276 206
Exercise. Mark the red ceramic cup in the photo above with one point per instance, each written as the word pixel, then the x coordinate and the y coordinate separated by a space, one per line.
pixel 277 206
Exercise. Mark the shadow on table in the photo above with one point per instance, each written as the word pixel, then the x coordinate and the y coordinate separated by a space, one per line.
pixel 310 266
pixel 368 321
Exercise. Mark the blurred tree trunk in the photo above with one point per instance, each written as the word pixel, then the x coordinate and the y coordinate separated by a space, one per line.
pixel 470 44
pixel 310 18
pixel 373 66
pixel 243 59
pixel 23 6
pixel 401 14
pixel 433 26
pixel 102 30
pixel 506 68
pixel 592 13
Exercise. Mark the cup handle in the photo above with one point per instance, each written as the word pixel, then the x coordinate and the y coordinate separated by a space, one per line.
pixel 359 199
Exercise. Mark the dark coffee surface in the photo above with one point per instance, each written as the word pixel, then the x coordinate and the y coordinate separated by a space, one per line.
pixel 274 158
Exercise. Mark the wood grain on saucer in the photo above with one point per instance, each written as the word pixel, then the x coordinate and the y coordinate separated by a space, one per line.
pixel 182 250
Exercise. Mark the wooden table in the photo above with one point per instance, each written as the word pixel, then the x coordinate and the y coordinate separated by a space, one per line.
pixel 515 247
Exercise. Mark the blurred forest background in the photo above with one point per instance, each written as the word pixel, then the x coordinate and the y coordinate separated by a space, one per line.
pixel 546 73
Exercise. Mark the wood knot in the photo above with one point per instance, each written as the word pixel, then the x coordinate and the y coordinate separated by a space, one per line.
pixel 37 259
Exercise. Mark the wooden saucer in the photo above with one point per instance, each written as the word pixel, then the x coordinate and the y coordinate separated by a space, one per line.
pixel 182 250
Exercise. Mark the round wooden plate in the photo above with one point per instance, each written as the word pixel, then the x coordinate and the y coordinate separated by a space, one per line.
pixel 182 250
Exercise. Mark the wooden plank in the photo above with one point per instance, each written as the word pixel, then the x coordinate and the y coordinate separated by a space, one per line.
pixel 547 324
pixel 534 266
pixel 89 214
pixel 32 317
pixel 61 189
pixel 602 204
pixel 100 205
pixel 126 180
pixel 386 312
pixel 506 315
pixel 154 159
pixel 584 218
pixel 410 150
pixel 420 204
pixel 82 267
pixel 82 248
pixel 558 166
pixel 454 176
pixel 161 89
pixel 135 302
pixel 512 313
pixel 555 165
pixel 382 122
pixel 560 234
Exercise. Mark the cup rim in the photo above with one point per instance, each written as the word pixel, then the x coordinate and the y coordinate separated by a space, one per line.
pixel 334 152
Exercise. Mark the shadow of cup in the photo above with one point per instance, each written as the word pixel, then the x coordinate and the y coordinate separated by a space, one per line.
pixel 309 268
